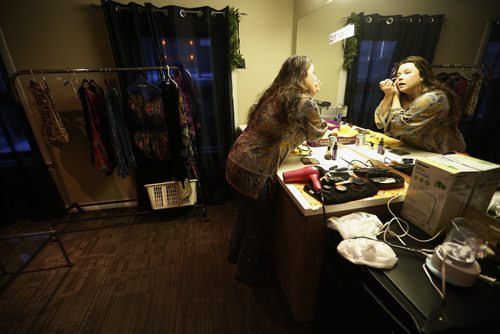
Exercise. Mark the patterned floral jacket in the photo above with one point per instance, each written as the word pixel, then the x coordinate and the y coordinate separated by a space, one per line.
pixel 426 124
pixel 266 141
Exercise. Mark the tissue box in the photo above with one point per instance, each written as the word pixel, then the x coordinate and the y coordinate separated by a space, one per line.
pixel 439 190
pixel 487 180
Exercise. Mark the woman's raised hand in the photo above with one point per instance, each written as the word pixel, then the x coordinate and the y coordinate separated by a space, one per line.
pixel 388 87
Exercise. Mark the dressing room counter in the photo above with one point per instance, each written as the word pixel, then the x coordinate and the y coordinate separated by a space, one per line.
pixel 299 239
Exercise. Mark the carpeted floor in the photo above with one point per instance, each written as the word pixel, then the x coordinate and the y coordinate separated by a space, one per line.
pixel 159 272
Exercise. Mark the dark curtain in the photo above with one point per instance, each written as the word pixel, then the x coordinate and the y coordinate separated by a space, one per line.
pixel 383 41
pixel 28 191
pixel 481 131
pixel 196 39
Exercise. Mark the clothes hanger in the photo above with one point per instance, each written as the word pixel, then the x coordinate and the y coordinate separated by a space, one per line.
pixel 85 83
pixel 45 81
pixel 93 85
pixel 164 81
pixel 170 78
pixel 32 76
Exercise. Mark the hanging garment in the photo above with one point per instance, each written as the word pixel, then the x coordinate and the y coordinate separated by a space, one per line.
pixel 120 136
pixel 170 100
pixel 53 125
pixel 187 112
pixel 94 111
pixel 467 89
pixel 145 104
pixel 471 95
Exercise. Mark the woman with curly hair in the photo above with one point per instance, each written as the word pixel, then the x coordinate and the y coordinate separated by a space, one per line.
pixel 284 116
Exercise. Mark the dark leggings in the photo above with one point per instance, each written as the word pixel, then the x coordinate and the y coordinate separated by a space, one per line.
pixel 251 238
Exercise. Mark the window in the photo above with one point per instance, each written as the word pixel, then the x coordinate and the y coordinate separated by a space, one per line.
pixel 375 62
pixel 12 135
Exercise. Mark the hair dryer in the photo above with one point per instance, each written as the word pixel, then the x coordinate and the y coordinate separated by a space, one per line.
pixel 305 174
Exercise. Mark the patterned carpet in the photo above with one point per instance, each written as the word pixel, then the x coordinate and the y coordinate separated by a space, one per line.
pixel 157 272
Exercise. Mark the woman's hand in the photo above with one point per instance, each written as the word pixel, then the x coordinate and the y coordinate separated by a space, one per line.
pixel 391 95
pixel 388 87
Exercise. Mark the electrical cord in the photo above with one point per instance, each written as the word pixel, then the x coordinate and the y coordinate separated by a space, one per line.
pixel 429 277
pixel 490 280
pixel 386 229
pixel 366 164
pixel 325 223
pixel 442 291
pixel 400 221
pixel 417 250
pixel 426 252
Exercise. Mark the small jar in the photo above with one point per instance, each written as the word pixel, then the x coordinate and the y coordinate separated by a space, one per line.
pixel 360 140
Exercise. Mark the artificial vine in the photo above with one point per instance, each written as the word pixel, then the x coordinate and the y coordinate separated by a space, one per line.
pixel 237 60
pixel 351 44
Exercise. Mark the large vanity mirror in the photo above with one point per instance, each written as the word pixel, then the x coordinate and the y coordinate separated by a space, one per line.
pixel 460 40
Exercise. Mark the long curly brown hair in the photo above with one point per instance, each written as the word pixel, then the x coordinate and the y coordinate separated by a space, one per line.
pixel 287 87
pixel 430 82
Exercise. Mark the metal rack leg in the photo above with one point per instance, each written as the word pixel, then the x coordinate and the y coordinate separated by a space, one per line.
pixel 203 203
pixel 63 249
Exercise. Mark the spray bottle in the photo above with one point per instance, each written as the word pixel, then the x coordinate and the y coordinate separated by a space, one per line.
pixel 334 151
pixel 380 148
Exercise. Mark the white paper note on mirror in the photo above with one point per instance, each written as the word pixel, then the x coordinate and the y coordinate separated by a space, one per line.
pixel 343 33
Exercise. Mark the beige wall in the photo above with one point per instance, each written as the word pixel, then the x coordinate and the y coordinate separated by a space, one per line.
pixel 459 41
pixel 71 34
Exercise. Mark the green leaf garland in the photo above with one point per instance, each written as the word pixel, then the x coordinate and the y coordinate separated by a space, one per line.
pixel 237 60
pixel 351 44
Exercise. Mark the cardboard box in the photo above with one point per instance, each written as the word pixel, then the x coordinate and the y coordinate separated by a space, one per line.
pixel 487 180
pixel 439 190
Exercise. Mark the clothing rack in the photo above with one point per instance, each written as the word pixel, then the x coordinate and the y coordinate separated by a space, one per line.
pixel 167 68
pixel 456 66
pixel 90 70
pixel 52 235
pixel 484 69
pixel 17 74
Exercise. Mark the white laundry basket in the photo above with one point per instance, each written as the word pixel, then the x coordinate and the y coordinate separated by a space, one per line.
pixel 164 195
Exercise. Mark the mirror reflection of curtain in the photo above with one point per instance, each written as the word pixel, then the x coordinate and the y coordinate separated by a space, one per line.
pixel 196 39
pixel 383 41
pixel 28 191
pixel 482 128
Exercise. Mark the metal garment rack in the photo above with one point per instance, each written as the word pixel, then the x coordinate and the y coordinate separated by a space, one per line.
pixel 456 66
pixel 51 234
pixel 19 73
pixel 90 70
pixel 482 67
pixel 483 70
pixel 166 68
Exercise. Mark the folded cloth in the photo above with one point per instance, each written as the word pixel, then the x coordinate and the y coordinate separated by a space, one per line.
pixel 357 224
pixel 368 252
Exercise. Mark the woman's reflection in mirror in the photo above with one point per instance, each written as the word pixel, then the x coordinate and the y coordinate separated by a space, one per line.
pixel 420 110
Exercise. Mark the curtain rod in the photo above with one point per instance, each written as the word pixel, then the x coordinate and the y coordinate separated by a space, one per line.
pixel 182 12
